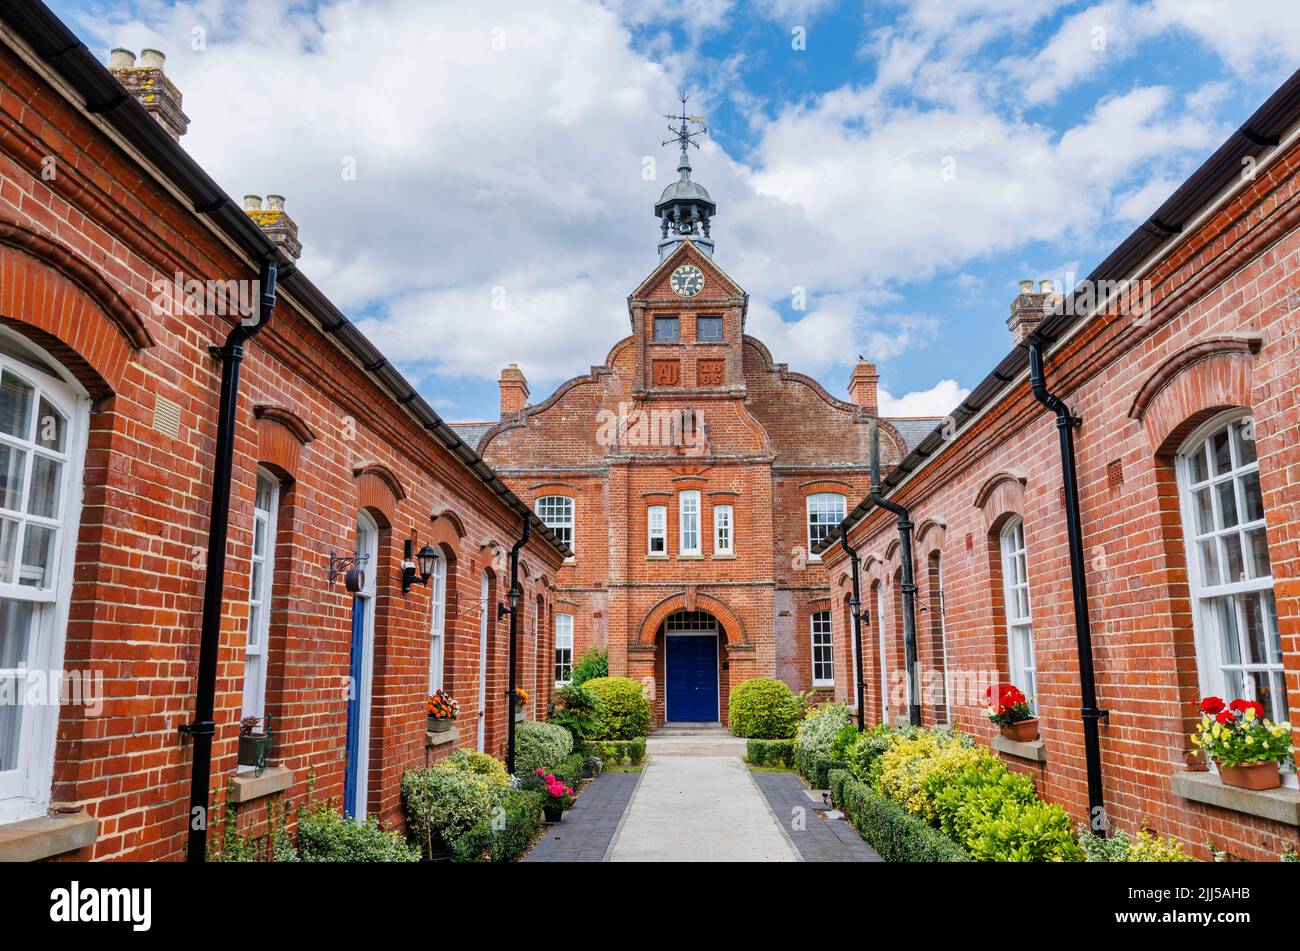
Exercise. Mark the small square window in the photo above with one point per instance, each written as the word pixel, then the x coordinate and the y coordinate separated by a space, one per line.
pixel 708 329
pixel 666 330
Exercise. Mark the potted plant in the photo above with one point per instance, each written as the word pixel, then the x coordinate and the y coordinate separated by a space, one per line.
pixel 254 747
pixel 1246 746
pixel 559 797
pixel 1009 709
pixel 592 766
pixel 441 710
pixel 521 702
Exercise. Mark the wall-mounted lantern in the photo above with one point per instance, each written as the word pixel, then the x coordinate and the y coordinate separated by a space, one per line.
pixel 411 574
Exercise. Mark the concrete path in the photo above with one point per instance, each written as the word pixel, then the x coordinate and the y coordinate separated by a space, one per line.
pixel 697 802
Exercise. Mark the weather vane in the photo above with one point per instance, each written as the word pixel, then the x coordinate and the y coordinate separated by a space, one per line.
pixel 683 134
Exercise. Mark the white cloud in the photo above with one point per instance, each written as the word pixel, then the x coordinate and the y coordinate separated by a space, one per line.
pixel 939 400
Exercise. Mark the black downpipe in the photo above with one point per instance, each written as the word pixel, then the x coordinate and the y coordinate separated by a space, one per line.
pixel 855 607
pixel 909 579
pixel 203 727
pixel 1089 711
pixel 515 597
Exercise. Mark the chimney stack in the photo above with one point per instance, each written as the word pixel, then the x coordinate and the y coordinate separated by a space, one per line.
pixel 514 390
pixel 1030 307
pixel 862 387
pixel 150 87
pixel 276 224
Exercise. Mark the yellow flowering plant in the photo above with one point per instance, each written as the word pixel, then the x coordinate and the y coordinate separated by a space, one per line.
pixel 1238 734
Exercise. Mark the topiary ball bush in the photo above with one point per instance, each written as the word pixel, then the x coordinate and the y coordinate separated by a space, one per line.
pixel 627 709
pixel 763 709
pixel 540 746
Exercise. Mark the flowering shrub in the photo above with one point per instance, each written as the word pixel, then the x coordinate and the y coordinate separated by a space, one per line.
pixel 559 796
pixel 442 706
pixel 1007 705
pixel 1238 734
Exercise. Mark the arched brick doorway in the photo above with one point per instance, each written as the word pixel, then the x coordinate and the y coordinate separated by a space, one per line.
pixel 692 667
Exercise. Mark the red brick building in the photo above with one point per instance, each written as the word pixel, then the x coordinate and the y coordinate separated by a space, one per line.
pixel 1179 356
pixel 121 265
pixel 691 474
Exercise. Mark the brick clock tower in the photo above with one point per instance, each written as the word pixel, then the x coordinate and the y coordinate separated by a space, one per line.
pixel 691 475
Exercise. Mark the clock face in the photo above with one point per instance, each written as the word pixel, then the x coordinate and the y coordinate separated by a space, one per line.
pixel 688 280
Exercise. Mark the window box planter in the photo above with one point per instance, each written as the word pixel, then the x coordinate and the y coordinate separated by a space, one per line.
pixel 519 714
pixel 1022 731
pixel 1256 776
pixel 441 725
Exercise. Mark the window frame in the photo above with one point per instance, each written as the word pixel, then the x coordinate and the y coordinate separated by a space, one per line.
pixel 685 532
pixel 724 512
pixel 812 499
pixel 1021 658
pixel 1208 635
pixel 255 678
pixel 655 533
pixel 26 790
pixel 819 623
pixel 438 623
pixel 559 526
pixel 667 319
pixel 561 633
pixel 699 324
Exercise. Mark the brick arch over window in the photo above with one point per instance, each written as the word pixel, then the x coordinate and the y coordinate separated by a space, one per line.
pixel 999 496
pixel 930 536
pixel 378 488
pixel 1208 376
pixel 731 626
pixel 60 301
pixel 446 533
pixel 281 434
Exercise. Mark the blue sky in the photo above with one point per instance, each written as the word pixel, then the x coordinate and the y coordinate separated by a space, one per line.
pixel 905 164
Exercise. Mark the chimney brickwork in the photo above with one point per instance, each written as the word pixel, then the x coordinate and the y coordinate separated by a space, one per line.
pixel 150 86
pixel 863 387
pixel 514 390
pixel 1030 307
pixel 275 222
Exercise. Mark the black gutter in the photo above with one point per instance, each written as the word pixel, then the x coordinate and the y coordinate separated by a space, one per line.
pixel 909 579
pixel 202 727
pixel 1089 711
pixel 65 55
pixel 855 607
pixel 515 596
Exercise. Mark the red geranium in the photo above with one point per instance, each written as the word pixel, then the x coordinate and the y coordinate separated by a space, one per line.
pixel 1009 707
pixel 1211 705
pixel 1241 706
pixel 1226 716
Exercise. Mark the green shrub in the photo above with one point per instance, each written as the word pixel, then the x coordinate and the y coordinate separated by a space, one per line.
pixel 326 836
pixel 965 800
pixel 1118 847
pixel 627 710
pixel 503 836
pixel 540 746
pixel 818 731
pixel 887 827
pixel 570 771
pixel 1026 832
pixel 614 752
pixel 579 711
pixel 816 767
pixel 763 709
pixel 590 666
pixel 770 752
pixel 867 749
pixel 480 764
pixel 443 804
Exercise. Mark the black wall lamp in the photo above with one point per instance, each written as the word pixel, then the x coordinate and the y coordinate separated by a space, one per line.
pixel 411 575
pixel 514 595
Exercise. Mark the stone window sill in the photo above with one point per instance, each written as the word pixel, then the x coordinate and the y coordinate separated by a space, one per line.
pixel 725 556
pixel 45 836
pixel 434 740
pixel 690 557
pixel 656 557
pixel 1033 750
pixel 1279 805
pixel 245 787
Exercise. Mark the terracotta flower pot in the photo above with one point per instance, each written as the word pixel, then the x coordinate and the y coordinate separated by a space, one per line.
pixel 1022 731
pixel 1252 776
pixel 439 726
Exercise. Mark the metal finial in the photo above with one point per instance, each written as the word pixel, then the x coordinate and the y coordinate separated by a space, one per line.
pixel 683 134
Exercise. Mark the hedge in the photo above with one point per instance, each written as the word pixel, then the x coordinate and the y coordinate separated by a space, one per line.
pixel 770 752
pixel 504 836
pixel 627 709
pixel 327 836
pixel 763 709
pixel 540 746
pixel 614 752
pixel 816 767
pixel 888 828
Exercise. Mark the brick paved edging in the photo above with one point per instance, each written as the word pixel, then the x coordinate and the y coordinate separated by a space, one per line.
pixel 822 839
pixel 591 827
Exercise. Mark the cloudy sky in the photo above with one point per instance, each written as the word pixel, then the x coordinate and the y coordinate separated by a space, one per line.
pixel 903 164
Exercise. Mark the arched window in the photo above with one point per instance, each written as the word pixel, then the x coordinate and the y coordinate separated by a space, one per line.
pixel 260 581
pixel 1015 595
pixel 1238 647
pixel 437 623
pixel 556 512
pixel 43 426
pixel 825 512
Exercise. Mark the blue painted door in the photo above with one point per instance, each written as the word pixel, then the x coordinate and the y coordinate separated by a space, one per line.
pixel 692 675
pixel 353 747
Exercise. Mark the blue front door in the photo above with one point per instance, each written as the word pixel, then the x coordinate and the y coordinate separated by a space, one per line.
pixel 353 747
pixel 691 663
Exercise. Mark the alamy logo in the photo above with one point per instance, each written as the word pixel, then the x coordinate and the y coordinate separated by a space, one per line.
pixel 77 904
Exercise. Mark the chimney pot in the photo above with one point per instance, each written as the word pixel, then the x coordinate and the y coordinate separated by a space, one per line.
pixel 1047 287
pixel 150 87
pixel 275 223
pixel 275 203
pixel 121 58
pixel 152 59
pixel 252 203
pixel 1026 287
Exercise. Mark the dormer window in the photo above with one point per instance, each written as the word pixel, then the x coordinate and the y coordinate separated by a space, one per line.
pixel 708 329
pixel 667 330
